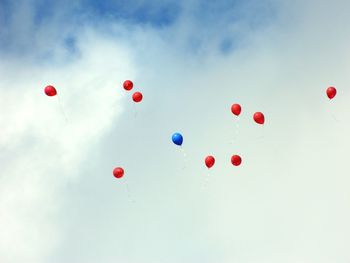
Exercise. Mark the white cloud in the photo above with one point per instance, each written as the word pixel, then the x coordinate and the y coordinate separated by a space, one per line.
pixel 43 151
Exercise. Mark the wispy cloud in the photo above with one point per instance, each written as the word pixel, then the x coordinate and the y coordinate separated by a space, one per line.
pixel 36 28
pixel 43 151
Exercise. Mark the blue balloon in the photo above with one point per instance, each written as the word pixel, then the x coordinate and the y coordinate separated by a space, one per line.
pixel 177 139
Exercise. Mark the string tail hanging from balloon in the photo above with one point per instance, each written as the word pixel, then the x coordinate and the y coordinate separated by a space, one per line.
pixel 184 154
pixel 259 118
pixel 62 108
pixel 51 91
pixel 128 193
pixel 209 163
pixel 236 133
pixel 177 139
pixel 118 173
pixel 331 93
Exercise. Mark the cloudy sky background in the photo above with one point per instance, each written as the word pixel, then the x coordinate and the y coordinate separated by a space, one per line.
pixel 287 202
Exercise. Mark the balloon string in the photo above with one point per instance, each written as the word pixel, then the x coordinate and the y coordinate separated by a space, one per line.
pixel 331 111
pixel 184 156
pixel 206 181
pixel 334 118
pixel 236 132
pixel 128 192
pixel 62 109
pixel 135 111
pixel 262 133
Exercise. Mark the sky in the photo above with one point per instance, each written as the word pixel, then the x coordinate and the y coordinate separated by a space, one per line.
pixel 287 202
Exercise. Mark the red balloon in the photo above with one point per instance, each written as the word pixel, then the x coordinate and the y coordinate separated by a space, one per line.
pixel 128 85
pixel 209 161
pixel 259 118
pixel 331 92
pixel 236 160
pixel 118 172
pixel 50 91
pixel 236 109
pixel 137 96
